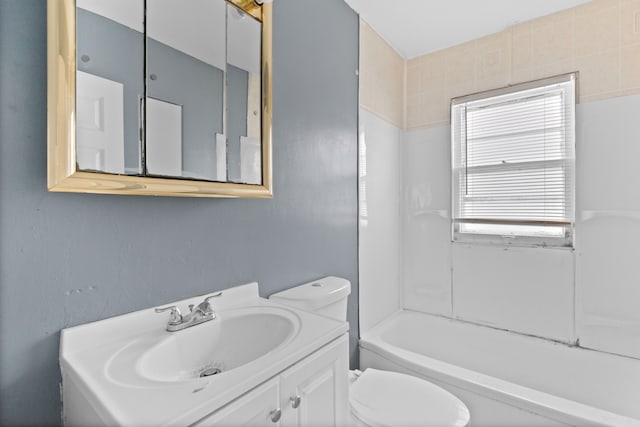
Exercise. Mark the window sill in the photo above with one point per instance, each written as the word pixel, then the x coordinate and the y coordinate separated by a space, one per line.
pixel 506 244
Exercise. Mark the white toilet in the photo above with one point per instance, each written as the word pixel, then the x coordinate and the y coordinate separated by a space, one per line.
pixel 378 398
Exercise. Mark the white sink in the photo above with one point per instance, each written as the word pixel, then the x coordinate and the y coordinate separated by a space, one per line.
pixel 233 339
pixel 128 370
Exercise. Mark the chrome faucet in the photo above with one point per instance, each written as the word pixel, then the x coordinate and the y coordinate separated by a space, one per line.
pixel 201 313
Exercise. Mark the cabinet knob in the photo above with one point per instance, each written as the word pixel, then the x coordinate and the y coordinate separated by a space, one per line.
pixel 295 401
pixel 275 415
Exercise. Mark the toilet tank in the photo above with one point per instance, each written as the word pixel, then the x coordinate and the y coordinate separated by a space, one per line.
pixel 327 296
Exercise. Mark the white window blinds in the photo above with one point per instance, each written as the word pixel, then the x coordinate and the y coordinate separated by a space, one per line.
pixel 513 163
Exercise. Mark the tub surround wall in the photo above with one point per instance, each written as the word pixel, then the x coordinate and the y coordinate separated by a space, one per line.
pixel 536 301
pixel 426 227
pixel 529 290
pixel 608 226
pixel 586 296
pixel 68 259
pixel 379 179
pixel 379 219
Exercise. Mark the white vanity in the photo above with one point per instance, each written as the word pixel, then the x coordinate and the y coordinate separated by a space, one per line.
pixel 254 363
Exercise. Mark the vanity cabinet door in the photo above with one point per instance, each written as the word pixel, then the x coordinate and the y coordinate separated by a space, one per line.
pixel 259 407
pixel 314 392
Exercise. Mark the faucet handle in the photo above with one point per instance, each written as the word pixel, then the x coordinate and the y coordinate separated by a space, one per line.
pixel 217 294
pixel 175 317
pixel 205 306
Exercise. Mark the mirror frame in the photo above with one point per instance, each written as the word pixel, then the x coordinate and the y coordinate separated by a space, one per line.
pixel 62 172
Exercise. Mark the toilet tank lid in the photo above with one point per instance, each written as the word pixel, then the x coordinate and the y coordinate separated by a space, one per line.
pixel 315 294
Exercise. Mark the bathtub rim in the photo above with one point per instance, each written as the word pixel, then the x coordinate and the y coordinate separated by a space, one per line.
pixel 525 398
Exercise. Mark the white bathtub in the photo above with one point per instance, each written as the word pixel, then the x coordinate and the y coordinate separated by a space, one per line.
pixel 508 379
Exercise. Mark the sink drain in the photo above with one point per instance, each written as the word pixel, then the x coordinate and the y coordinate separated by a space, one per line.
pixel 209 372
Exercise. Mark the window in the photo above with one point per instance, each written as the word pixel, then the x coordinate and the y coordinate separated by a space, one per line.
pixel 513 164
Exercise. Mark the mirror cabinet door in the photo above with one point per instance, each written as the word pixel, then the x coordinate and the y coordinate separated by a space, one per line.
pixel 159 97
pixel 185 89
pixel 109 85
pixel 244 92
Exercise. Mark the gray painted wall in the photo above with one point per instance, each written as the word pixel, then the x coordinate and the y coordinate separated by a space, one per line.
pixel 68 259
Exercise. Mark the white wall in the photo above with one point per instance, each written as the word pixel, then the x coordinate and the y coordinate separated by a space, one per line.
pixel 379 219
pixel 426 233
pixel 381 96
pixel 608 225
pixel 529 290
pixel 591 294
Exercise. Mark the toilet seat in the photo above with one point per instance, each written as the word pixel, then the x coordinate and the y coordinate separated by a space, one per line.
pixel 390 399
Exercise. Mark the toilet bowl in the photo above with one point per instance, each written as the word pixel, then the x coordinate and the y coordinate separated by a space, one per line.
pixel 378 398
pixel 386 399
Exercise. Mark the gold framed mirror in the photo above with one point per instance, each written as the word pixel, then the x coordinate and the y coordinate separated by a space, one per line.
pixel 108 135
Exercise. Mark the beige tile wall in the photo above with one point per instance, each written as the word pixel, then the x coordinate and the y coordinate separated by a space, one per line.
pixel 381 77
pixel 600 39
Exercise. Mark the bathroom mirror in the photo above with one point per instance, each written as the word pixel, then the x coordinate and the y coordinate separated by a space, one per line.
pixel 160 97
pixel 185 88
pixel 243 89
pixel 109 85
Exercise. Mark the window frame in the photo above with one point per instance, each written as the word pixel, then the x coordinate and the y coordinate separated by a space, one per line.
pixel 565 238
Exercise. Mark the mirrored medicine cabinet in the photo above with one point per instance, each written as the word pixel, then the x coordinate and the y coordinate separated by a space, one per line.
pixel 159 97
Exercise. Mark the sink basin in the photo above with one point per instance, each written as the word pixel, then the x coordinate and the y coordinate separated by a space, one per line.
pixel 128 370
pixel 231 340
